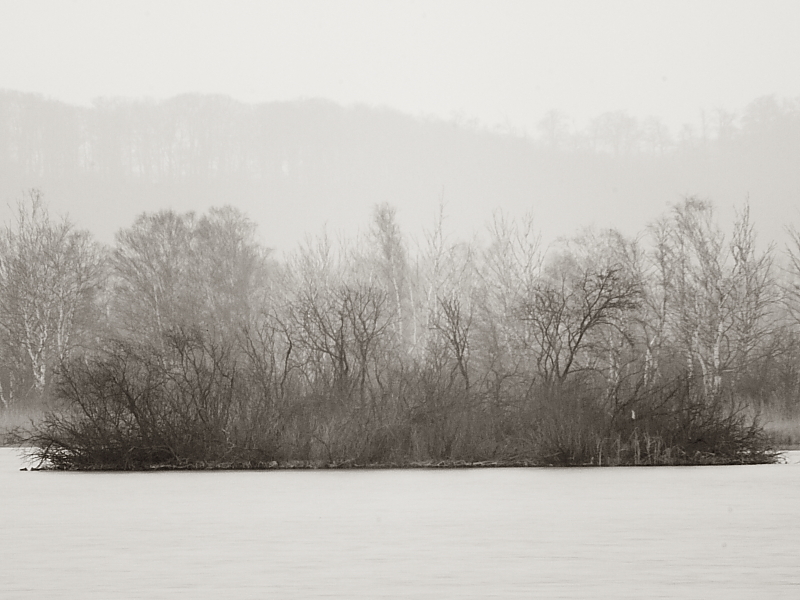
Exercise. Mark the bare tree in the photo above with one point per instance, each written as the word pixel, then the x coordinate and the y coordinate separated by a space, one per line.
pixel 656 136
pixel 616 132
pixel 554 130
pixel 659 291
pixel 392 263
pixel 230 266
pixel 340 329
pixel 610 349
pixel 755 291
pixel 173 270
pixel 454 324
pixel 721 293
pixel 151 263
pixel 792 286
pixel 49 275
pixel 510 271
pixel 569 305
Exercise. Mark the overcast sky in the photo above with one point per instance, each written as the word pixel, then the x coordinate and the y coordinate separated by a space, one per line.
pixel 502 63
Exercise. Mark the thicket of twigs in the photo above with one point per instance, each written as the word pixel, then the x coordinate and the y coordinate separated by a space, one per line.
pixel 190 402
pixel 186 345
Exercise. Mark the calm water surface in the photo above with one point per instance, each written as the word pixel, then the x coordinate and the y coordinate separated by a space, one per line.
pixel 707 532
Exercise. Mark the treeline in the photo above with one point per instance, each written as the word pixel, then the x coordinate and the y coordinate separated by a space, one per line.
pixel 765 121
pixel 334 161
pixel 193 137
pixel 209 137
pixel 187 344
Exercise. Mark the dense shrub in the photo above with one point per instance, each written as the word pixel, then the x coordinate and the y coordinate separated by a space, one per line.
pixel 134 405
pixel 191 401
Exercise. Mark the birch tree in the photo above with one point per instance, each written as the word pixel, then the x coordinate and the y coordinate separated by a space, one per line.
pixel 510 270
pixel 49 276
pixel 722 291
pixel 392 263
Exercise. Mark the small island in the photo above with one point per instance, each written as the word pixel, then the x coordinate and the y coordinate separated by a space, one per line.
pixel 187 345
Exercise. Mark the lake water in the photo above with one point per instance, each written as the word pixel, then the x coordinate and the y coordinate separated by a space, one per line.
pixel 692 532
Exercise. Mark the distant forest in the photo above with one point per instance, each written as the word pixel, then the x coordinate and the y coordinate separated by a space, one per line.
pixel 281 161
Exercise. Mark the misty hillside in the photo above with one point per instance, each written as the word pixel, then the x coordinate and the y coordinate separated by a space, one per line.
pixel 292 166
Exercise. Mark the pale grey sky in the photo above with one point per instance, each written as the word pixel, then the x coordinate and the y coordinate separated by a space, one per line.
pixel 502 63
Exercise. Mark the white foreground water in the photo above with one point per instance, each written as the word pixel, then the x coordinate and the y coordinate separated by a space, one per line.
pixel 684 532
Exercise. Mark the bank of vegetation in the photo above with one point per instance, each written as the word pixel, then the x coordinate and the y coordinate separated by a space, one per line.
pixel 187 345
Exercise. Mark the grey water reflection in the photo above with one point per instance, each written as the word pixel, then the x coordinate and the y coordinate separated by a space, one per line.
pixel 709 532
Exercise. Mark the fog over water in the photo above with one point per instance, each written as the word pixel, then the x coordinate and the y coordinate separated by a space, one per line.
pixel 708 532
